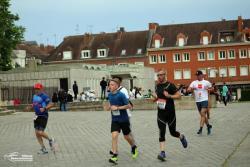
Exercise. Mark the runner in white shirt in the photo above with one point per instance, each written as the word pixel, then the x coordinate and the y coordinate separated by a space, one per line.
pixel 200 87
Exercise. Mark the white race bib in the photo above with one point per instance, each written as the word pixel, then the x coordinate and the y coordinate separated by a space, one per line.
pixel 35 117
pixel 161 103
pixel 116 112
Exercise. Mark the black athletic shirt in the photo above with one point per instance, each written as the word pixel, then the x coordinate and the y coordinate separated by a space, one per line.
pixel 171 89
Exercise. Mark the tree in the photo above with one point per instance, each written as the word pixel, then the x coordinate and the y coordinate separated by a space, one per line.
pixel 10 34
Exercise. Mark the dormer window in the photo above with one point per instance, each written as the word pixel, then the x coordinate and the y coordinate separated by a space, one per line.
pixel 205 38
pixel 67 55
pixel 85 54
pixel 226 36
pixel 123 52
pixel 181 40
pixel 101 52
pixel 157 43
pixel 247 37
pixel 139 51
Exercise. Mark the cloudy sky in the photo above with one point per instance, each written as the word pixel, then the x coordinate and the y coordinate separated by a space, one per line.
pixel 48 21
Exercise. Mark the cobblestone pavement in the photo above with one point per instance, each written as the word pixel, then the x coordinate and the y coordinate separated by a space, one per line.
pixel 84 139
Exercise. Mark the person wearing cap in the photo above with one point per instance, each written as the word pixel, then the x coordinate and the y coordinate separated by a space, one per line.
pixel 165 94
pixel 120 119
pixel 201 88
pixel 41 104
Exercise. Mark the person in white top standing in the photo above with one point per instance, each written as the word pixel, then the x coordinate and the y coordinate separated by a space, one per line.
pixel 200 87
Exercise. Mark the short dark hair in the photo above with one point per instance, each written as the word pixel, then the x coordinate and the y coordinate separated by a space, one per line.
pixel 120 78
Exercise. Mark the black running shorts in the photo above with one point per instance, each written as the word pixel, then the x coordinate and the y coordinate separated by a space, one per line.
pixel 40 123
pixel 118 126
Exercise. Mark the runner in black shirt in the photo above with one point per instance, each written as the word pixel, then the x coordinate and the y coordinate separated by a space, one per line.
pixel 164 95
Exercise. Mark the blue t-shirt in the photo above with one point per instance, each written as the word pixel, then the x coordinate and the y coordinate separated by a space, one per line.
pixel 118 99
pixel 40 101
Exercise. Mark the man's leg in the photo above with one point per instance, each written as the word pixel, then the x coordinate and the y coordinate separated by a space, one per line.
pixel 39 138
pixel 115 142
pixel 162 132
pixel 129 138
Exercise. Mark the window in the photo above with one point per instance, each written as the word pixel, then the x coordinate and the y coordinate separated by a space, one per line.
pixel 181 42
pixel 223 72
pixel 157 43
pixel 232 71
pixel 153 59
pixel 101 52
pixel 186 74
pixel 67 55
pixel 247 37
pixel 205 40
pixel 85 54
pixel 212 72
pixel 201 56
pixel 222 55
pixel 204 71
pixel 139 51
pixel 243 70
pixel 177 57
pixel 231 54
pixel 226 36
pixel 177 74
pixel 123 52
pixel 243 53
pixel 140 63
pixel 185 57
pixel 210 55
pixel 162 59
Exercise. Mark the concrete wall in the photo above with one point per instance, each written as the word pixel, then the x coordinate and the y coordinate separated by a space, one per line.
pixel 87 78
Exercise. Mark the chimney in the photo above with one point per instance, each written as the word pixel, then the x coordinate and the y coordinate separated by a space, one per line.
pixel 153 26
pixel 240 24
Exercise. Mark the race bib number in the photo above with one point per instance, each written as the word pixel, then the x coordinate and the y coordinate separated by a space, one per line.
pixel 35 117
pixel 116 112
pixel 161 103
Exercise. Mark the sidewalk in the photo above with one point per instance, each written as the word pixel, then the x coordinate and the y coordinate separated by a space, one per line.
pixel 84 139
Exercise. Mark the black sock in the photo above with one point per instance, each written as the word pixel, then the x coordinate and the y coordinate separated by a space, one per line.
pixel 133 148
pixel 200 128
pixel 115 155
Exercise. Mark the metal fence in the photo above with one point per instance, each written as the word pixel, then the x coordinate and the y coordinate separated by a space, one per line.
pixel 24 94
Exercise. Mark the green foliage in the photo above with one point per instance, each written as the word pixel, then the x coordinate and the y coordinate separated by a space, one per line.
pixel 10 34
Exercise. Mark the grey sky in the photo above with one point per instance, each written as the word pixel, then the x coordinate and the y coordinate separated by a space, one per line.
pixel 48 21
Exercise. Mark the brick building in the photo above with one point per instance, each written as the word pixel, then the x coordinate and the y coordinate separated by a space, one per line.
pixel 221 49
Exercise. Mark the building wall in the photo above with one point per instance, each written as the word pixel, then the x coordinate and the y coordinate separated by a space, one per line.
pixel 194 64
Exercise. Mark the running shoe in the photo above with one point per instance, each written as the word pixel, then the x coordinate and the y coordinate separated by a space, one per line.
pixel 199 132
pixel 42 151
pixel 209 127
pixel 113 159
pixel 162 156
pixel 184 141
pixel 51 143
pixel 134 152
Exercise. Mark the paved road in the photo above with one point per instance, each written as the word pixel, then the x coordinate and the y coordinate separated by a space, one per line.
pixel 84 139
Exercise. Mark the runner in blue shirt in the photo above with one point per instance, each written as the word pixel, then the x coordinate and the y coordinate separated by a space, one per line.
pixel 120 120
pixel 41 104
